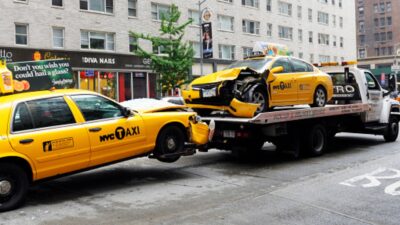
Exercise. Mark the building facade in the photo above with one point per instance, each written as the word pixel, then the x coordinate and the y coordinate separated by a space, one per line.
pixel 94 35
pixel 378 34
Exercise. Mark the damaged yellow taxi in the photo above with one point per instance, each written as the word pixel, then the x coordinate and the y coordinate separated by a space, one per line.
pixel 45 134
pixel 257 84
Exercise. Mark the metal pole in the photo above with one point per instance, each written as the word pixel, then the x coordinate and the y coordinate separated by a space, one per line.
pixel 201 38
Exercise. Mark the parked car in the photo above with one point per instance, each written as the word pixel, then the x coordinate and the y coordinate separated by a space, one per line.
pixel 258 84
pixel 50 133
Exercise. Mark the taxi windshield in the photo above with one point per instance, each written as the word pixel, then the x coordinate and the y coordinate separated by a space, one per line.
pixel 255 64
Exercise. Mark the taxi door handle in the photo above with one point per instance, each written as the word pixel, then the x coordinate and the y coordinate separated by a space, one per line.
pixel 26 141
pixel 95 129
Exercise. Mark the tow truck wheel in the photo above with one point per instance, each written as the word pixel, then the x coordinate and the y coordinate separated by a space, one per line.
pixel 171 140
pixel 258 96
pixel 315 141
pixel 320 97
pixel 13 186
pixel 392 130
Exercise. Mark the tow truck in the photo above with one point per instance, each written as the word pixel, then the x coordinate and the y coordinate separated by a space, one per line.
pixel 359 105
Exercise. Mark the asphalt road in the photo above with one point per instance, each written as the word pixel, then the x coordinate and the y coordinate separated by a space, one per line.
pixel 356 182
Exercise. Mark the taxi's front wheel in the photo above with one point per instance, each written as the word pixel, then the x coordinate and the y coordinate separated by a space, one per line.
pixel 170 142
pixel 13 186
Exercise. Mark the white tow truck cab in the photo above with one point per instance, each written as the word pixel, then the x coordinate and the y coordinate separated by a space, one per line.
pixel 359 105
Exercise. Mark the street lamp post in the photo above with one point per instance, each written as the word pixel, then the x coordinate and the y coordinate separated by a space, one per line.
pixel 200 37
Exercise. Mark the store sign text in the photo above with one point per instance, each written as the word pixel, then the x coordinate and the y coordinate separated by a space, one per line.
pixel 5 54
pixel 100 60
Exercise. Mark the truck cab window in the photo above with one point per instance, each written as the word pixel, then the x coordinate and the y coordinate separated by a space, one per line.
pixel 372 83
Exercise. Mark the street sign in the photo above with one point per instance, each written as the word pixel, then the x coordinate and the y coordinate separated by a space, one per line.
pixel 395 68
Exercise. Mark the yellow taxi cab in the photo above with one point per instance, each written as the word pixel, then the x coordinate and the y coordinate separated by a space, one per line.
pixel 45 134
pixel 257 84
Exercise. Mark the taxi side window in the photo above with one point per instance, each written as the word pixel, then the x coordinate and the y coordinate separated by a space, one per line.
pixel 42 113
pixel 287 68
pixel 300 66
pixel 94 107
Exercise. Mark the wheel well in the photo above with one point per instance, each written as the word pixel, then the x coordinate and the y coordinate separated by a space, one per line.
pixel 20 162
pixel 322 86
pixel 177 124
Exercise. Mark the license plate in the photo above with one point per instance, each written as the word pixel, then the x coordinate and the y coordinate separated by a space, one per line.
pixel 229 133
pixel 208 93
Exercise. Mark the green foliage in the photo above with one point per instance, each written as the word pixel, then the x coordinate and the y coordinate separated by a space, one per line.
pixel 177 56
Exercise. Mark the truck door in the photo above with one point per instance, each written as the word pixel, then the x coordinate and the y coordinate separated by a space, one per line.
pixel 375 97
pixel 112 136
pixel 283 89
pixel 46 131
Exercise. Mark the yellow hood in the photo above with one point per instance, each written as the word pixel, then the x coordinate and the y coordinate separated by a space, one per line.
pixel 229 74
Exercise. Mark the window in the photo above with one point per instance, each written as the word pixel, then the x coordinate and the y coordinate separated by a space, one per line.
pixel 58 3
pixel 383 36
pixel 301 55
pixel 22 1
pixel 158 11
pixel 133 44
pixel 310 37
pixel 362 39
pixel 299 12
pixel 97 40
pixel 377 51
pixel 251 27
pixel 58 37
pixel 300 66
pixel 323 1
pixel 323 18
pixel 340 3
pixel 382 22
pixel 389 21
pixel 334 40
pixel 194 15
pixel 390 50
pixel 341 22
pixel 310 15
pixel 361 26
pixel 382 7
pixel 376 22
pixel 376 36
pixel 361 11
pixel 388 6
pixel 286 32
pixel 341 42
pixel 383 51
pixel 21 34
pixel 371 81
pixel 226 52
pixel 227 1
pixel 323 39
pixel 361 53
pixel 389 36
pixel 105 6
pixel 159 49
pixel 312 58
pixel 269 6
pixel 269 29
pixel 251 3
pixel 376 9
pixel 225 23
pixel 196 49
pixel 247 51
pixel 42 113
pixel 94 107
pixel 284 62
pixel 334 20
pixel 324 58
pixel 285 8
pixel 300 35
pixel 132 8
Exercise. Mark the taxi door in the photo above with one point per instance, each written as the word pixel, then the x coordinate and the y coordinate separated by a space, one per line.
pixel 46 131
pixel 112 136
pixel 283 89
pixel 306 80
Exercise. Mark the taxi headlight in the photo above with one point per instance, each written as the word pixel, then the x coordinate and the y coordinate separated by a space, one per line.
pixel 195 119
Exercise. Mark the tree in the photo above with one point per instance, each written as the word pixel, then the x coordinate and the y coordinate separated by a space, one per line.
pixel 177 56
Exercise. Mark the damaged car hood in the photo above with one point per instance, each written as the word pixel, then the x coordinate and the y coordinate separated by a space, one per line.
pixel 149 105
pixel 229 74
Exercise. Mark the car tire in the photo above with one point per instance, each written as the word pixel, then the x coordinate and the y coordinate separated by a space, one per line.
pixel 258 95
pixel 320 98
pixel 170 140
pixel 13 186
pixel 315 141
pixel 392 130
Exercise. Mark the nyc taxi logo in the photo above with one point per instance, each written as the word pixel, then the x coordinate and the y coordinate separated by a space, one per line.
pixel 282 86
pixel 120 133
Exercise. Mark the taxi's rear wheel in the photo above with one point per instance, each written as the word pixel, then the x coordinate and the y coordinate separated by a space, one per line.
pixel 320 97
pixel 13 186
pixel 170 142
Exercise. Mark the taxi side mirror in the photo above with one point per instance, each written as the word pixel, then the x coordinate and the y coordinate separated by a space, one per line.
pixel 273 71
pixel 126 112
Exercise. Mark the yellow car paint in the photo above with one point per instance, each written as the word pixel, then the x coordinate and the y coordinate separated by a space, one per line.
pixel 61 149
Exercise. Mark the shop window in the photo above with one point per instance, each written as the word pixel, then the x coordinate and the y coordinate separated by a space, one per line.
pixel 105 6
pixel 97 40
pixel 21 34
pixel 96 108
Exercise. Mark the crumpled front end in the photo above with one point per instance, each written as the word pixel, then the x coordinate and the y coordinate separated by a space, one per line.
pixel 199 133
